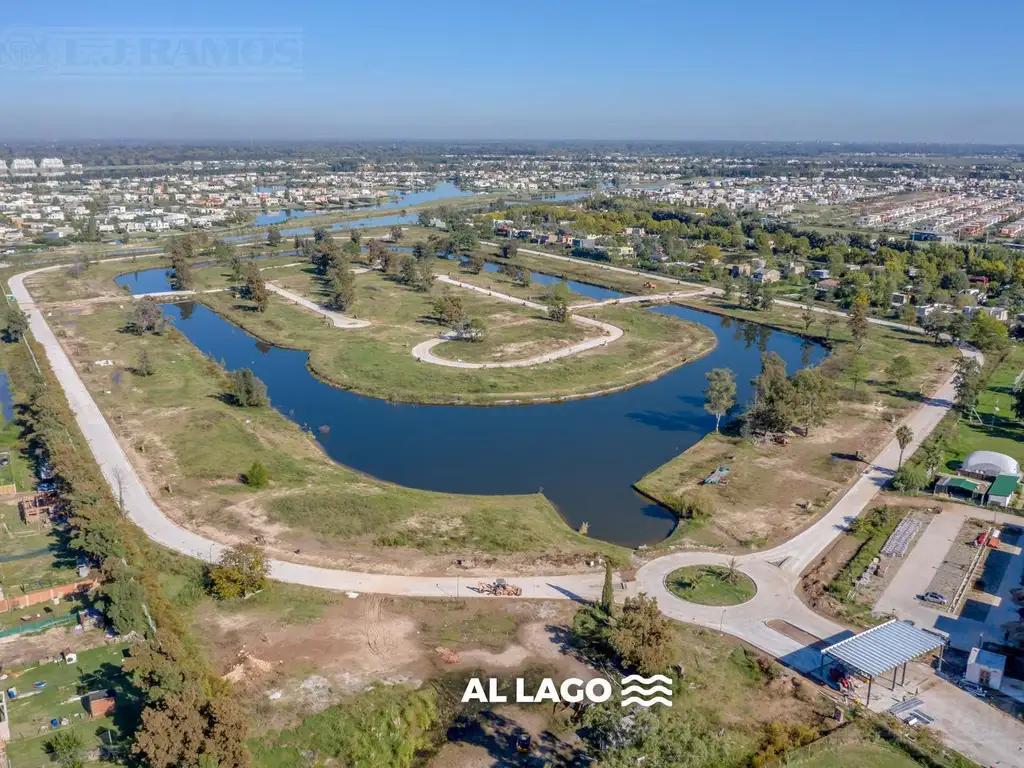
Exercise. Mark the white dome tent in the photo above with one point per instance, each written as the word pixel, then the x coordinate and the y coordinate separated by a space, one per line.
pixel 989 464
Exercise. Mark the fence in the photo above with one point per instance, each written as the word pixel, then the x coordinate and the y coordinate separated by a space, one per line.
pixel 45 595
pixel 38 626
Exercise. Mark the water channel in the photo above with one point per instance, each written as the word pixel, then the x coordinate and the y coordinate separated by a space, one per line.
pixel 583 455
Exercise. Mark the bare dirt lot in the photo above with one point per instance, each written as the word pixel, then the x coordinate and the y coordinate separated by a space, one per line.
pixel 302 651
pixel 27 650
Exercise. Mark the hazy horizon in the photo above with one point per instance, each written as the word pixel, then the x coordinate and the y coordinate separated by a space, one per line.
pixel 597 71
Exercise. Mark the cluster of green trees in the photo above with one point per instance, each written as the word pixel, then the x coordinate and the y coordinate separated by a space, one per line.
pixel 450 311
pixel 146 317
pixel 781 402
pixel 182 250
pixel 187 714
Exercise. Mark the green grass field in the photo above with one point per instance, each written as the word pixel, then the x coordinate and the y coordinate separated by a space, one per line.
pixel 999 430
pixel 376 361
pixel 32 557
pixel 710 585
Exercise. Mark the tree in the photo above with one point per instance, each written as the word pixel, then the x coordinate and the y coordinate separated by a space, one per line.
pixel 899 369
pixel 470 330
pixel 247 390
pixel 909 478
pixel 257 476
pixel 728 289
pixel 343 288
pixel 243 570
pixel 523 276
pixel 476 263
pixel 449 309
pixel 17 323
pixel 814 398
pixel 397 233
pixel 144 366
pixel 222 251
pixel 936 324
pixel 986 333
pixel 857 370
pixel 904 437
pixel 558 304
pixel 1018 403
pixel 235 265
pixel 720 394
pixel 808 317
pixel 858 322
pixel 829 320
pixel 767 300
pixel 417 274
pixel 273 236
pixel 146 316
pixel 653 738
pixel 967 383
pixel 256 287
pixel 608 590
pixel 510 249
pixel 642 637
pixel 752 295
pixel 66 748
pixel 774 407
pixel 181 278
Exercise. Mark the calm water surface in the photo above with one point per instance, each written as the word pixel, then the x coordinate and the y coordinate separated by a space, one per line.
pixel 583 455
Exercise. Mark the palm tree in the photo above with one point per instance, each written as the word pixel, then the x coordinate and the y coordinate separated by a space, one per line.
pixel 904 436
pixel 732 573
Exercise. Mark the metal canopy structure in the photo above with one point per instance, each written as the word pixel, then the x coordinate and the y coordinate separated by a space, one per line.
pixel 880 649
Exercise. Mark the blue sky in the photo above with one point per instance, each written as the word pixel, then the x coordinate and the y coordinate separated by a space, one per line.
pixel 900 70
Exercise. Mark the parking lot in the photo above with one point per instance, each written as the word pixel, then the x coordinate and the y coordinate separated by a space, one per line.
pixel 939 562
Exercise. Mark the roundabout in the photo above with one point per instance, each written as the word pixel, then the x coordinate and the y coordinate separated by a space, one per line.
pixel 711 584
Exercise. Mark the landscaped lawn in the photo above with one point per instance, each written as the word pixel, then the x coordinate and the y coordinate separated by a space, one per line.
pixel 999 430
pixel 710 585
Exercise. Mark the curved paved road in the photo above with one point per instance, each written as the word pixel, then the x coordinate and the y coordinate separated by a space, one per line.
pixel 777 571
pixel 339 319
pixel 423 350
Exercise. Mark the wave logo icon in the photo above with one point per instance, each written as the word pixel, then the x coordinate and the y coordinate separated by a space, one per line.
pixel 645 690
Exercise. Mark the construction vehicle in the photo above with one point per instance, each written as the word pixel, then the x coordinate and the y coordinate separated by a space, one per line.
pixel 500 588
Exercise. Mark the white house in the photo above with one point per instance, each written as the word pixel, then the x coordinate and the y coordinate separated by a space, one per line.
pixel 985 668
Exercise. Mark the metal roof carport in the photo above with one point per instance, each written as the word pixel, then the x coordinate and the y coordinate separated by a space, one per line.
pixel 875 651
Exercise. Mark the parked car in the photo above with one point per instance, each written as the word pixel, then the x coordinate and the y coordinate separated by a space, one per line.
pixel 46 487
pixel 935 597
pixel 523 743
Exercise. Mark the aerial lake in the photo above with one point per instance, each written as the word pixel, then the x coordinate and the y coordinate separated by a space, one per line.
pixel 583 455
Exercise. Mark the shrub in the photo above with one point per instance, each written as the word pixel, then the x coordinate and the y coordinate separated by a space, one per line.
pixel 909 478
pixel 695 505
pixel 247 390
pixel 257 476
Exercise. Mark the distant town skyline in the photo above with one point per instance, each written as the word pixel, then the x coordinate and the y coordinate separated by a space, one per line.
pixel 911 71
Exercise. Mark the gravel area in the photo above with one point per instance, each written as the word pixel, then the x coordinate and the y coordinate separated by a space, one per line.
pixel 953 570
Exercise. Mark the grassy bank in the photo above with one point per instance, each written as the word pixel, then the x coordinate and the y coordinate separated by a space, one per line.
pixel 193 446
